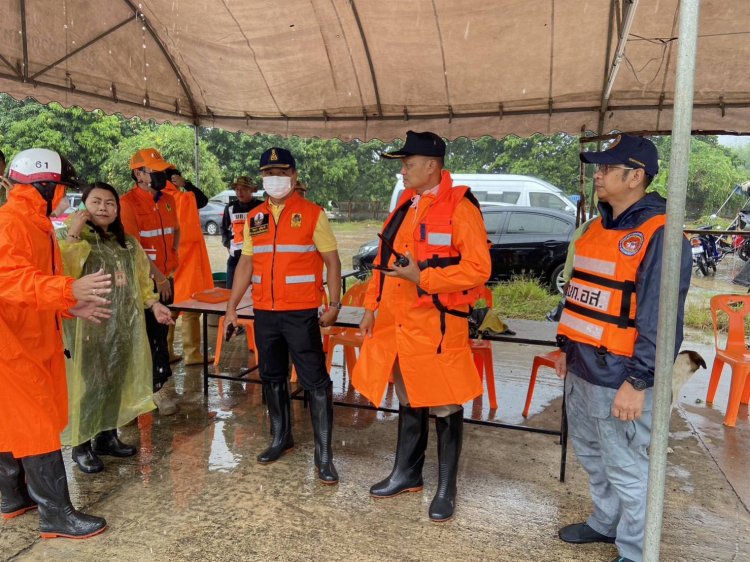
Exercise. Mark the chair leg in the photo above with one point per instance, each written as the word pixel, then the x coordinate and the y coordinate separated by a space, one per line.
pixel 746 395
pixel 713 382
pixel 219 341
pixel 739 377
pixel 489 375
pixel 532 383
pixel 350 358
pixel 250 335
pixel 329 356
pixel 479 364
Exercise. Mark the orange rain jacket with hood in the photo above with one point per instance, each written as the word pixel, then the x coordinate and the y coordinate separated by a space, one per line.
pixel 437 368
pixel 194 272
pixel 33 294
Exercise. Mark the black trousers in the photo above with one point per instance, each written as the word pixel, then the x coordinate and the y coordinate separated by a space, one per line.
pixel 232 261
pixel 295 332
pixel 157 338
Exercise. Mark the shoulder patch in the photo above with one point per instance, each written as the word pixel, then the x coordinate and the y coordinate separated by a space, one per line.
pixel 631 243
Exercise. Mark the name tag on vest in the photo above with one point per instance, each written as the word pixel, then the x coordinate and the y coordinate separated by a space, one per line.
pixel 259 224
pixel 594 297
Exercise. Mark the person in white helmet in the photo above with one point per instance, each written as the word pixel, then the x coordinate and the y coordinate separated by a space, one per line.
pixel 33 296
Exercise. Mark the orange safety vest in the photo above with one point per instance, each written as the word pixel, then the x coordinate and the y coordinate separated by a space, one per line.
pixel 154 226
pixel 287 267
pixel 238 229
pixel 600 299
pixel 433 243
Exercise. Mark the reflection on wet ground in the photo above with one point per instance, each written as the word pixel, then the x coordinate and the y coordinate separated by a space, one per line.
pixel 195 492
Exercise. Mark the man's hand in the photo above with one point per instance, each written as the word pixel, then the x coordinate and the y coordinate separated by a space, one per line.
pixel 328 318
pixel 409 272
pixel 91 288
pixel 162 286
pixel 162 314
pixel 561 365
pixel 91 311
pixel 628 403
pixel 230 318
pixel 367 322
pixel 178 181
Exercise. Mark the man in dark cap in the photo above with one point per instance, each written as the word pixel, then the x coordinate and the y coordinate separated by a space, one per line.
pixel 607 333
pixel 287 241
pixel 431 267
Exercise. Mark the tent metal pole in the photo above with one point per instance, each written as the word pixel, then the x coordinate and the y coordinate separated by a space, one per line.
pixel 670 281
pixel 196 131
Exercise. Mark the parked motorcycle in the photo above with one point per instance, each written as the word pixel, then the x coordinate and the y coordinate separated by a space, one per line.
pixel 708 250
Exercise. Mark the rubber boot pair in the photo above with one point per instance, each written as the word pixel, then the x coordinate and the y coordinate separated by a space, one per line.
pixel 14 496
pixel 321 412
pixel 406 476
pixel 47 487
pixel 106 443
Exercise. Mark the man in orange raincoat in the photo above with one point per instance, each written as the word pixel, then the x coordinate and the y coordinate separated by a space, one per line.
pixel 431 270
pixel 33 294
pixel 194 272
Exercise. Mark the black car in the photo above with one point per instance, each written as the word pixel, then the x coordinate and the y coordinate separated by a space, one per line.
pixel 211 216
pixel 528 241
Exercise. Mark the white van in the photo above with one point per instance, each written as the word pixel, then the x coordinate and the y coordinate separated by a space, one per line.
pixel 228 195
pixel 524 191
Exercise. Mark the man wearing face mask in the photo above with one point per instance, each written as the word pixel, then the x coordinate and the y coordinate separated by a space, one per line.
pixel 287 242
pixel 150 216
pixel 34 294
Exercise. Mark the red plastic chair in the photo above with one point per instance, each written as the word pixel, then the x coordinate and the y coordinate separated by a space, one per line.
pixel 735 353
pixel 545 360
pixel 482 352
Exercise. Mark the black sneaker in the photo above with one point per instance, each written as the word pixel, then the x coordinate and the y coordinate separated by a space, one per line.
pixel 581 533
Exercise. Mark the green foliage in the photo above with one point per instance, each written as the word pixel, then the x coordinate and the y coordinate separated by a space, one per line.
pixel 523 298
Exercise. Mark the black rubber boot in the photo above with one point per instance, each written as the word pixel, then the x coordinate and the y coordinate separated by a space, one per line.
pixel 14 500
pixel 321 412
pixel 86 459
pixel 450 436
pixel 280 411
pixel 406 475
pixel 48 486
pixel 107 443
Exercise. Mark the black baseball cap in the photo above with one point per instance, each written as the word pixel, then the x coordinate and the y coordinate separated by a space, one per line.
pixel 629 150
pixel 276 157
pixel 419 144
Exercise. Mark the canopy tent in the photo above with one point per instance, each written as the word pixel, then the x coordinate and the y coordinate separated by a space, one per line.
pixel 373 69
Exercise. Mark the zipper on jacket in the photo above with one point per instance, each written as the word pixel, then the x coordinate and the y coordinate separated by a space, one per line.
pixel 163 237
pixel 273 256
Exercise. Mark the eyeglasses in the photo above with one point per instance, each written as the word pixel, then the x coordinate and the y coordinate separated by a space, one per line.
pixel 605 168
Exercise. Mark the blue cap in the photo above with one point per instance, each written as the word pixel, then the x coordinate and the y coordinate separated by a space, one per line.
pixel 631 151
pixel 276 157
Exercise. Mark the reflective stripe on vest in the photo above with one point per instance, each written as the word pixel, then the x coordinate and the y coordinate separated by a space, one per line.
pixel 256 278
pixel 156 232
pixel 265 249
pixel 294 279
pixel 601 303
pixel 296 248
pixel 439 239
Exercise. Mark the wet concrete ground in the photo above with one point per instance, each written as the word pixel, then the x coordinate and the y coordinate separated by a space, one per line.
pixel 195 492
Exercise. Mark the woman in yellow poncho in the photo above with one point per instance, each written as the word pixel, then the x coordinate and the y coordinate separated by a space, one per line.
pixel 109 373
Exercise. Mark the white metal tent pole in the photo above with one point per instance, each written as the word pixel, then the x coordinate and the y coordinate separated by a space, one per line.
pixel 670 280
pixel 197 157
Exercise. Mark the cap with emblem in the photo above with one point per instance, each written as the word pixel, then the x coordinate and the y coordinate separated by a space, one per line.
pixel 419 144
pixel 276 157
pixel 149 158
pixel 629 150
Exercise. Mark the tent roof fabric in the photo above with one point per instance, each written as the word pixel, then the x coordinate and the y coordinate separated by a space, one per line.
pixel 373 69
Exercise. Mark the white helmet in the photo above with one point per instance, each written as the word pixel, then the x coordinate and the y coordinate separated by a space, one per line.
pixel 36 165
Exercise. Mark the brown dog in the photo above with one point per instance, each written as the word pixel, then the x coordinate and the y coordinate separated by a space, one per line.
pixel 685 365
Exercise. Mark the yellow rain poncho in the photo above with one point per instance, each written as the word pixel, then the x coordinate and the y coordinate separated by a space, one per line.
pixel 109 373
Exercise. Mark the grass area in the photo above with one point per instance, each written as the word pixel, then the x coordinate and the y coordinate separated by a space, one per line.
pixel 698 315
pixel 356 226
pixel 523 298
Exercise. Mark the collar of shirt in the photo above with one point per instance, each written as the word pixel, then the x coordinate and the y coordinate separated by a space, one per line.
pixel 431 192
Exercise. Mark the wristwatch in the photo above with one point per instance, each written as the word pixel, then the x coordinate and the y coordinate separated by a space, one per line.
pixel 336 305
pixel 638 384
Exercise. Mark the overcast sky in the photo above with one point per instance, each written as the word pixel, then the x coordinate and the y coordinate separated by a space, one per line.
pixel 731 140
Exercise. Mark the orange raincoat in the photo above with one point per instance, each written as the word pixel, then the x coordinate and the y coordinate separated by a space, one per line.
pixel 33 293
pixel 412 333
pixel 194 272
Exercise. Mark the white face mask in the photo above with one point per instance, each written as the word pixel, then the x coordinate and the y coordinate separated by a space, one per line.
pixel 277 187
